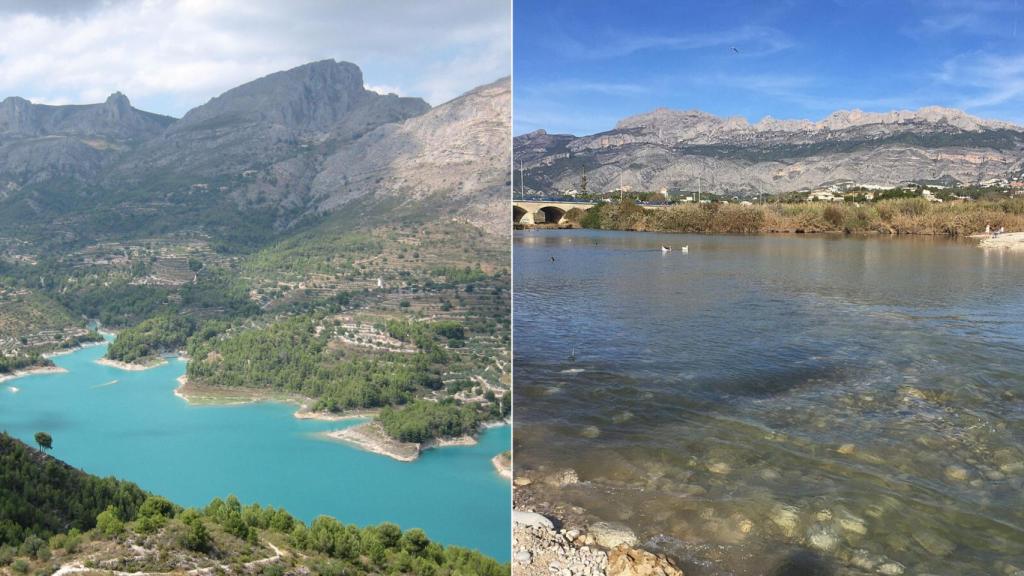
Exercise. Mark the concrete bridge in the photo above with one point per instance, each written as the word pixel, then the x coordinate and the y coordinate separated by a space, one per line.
pixel 544 211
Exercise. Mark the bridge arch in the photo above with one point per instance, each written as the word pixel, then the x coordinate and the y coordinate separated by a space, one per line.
pixel 518 212
pixel 552 214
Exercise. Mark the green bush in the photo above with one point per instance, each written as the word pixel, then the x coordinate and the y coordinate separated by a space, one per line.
pixel 109 523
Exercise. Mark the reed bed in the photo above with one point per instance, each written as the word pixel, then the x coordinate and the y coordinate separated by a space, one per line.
pixel 900 216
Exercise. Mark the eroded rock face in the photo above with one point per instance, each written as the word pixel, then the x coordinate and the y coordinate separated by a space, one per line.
pixel 457 153
pixel 672 148
pixel 626 561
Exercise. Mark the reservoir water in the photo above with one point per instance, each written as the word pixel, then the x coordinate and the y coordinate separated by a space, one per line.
pixel 131 425
pixel 849 405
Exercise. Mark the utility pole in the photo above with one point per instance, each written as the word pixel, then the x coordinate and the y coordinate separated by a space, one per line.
pixel 583 182
pixel 522 182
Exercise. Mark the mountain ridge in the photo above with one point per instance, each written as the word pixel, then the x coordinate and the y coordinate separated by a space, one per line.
pixel 256 149
pixel 672 149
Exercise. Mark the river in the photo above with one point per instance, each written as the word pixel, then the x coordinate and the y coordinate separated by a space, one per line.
pixel 854 404
pixel 131 425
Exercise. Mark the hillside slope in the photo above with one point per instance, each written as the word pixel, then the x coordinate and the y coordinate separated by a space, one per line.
pixel 56 518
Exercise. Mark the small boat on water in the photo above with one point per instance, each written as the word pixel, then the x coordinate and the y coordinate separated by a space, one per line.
pixel 13 389
pixel 665 249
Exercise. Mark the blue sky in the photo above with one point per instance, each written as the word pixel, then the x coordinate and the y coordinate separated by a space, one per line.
pixel 581 65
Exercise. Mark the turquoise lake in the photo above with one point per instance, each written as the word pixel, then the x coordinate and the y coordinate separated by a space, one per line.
pixel 112 422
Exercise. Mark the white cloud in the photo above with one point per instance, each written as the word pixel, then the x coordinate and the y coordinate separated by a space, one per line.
pixel 985 80
pixel 171 55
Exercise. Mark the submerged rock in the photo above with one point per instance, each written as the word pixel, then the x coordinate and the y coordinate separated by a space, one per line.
pixel 957 473
pixel 891 569
pixel 719 468
pixel 563 478
pixel 590 432
pixel 864 560
pixel 933 543
pixel 822 537
pixel 787 518
pixel 612 534
pixel 852 524
pixel 622 417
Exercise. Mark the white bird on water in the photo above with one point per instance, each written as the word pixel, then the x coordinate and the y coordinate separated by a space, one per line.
pixel 684 249
pixel 665 249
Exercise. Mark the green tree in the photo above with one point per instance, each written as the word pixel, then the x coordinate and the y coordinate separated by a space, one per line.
pixel 44 440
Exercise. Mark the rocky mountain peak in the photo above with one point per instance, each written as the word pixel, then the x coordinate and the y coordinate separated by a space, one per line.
pixel 313 97
pixel 118 100
pixel 15 115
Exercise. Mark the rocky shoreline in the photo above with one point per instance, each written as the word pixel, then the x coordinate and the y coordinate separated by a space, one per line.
pixel 540 548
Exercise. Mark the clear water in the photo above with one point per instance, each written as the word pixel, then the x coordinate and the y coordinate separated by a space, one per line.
pixel 858 402
pixel 137 429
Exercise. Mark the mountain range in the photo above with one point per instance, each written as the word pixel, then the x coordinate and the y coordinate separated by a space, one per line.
pixel 261 158
pixel 673 149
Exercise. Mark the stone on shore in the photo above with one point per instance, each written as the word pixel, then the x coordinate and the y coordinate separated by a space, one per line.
pixel 531 519
pixel 612 534
pixel 626 561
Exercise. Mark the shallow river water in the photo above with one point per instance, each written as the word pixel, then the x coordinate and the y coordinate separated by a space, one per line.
pixel 852 405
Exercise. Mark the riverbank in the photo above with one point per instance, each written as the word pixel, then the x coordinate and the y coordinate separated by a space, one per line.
pixel 129 366
pixel 905 216
pixel 31 372
pixel 75 348
pixel 503 464
pixel 541 546
pixel 1013 241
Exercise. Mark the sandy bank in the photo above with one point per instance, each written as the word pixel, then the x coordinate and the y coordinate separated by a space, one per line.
pixel 129 366
pixel 372 438
pixel 31 371
pixel 1013 241
pixel 503 464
